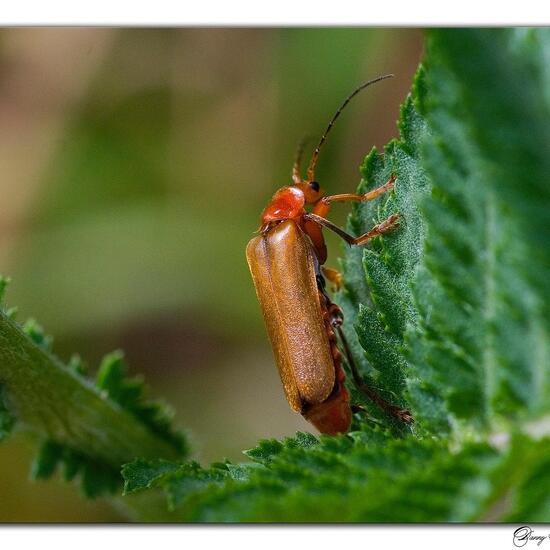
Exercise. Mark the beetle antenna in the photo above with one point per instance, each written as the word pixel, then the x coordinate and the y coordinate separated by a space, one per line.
pixel 313 161
pixel 296 176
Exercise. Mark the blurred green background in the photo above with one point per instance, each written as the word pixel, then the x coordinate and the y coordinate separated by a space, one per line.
pixel 136 163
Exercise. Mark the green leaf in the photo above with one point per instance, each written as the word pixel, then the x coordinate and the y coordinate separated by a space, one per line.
pixel 96 478
pixel 181 481
pixel 7 419
pixel 130 394
pixel 265 451
pixel 4 282
pixel 36 333
pixel 77 365
pixel 143 474
pixel 45 463
pixel 377 292
pixel 480 352
pixel 268 449
pixel 532 496
pixel 90 430
pixel 99 479
pixel 337 480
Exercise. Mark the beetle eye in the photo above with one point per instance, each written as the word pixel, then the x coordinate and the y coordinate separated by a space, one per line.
pixel 314 185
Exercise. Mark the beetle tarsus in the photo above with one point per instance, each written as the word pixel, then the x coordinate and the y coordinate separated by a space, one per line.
pixel 385 226
pixel 380 190
pixel 393 410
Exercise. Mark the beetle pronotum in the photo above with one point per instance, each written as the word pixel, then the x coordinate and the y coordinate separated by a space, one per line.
pixel 286 260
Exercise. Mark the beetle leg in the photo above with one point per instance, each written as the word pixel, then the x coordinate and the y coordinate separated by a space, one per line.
pixel 336 315
pixel 380 190
pixel 393 410
pixel 317 218
pixel 323 206
pixel 391 222
pixel 360 409
pixel 334 276
pixel 383 227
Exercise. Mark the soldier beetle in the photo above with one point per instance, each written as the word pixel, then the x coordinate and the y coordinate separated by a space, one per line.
pixel 286 262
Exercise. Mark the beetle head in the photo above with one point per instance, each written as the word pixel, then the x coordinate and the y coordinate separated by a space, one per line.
pixel 311 189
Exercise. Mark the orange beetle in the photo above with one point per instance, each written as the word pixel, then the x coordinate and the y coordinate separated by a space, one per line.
pixel 286 260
